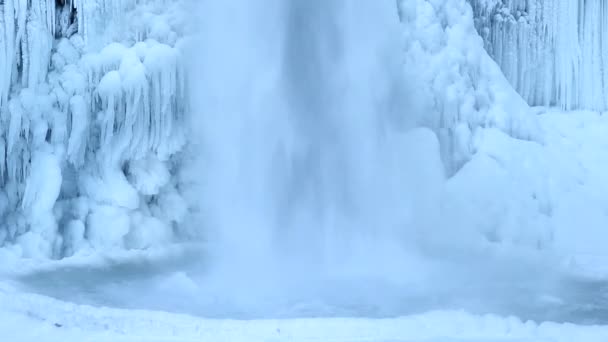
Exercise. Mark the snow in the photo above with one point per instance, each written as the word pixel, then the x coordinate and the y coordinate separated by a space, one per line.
pixel 26 317
pixel 515 177
pixel 542 195
pixel 445 56
pixel 107 227
pixel 524 191
pixel 462 197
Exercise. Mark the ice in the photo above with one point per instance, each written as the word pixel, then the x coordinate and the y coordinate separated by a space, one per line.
pixel 147 232
pixel 79 125
pixel 74 237
pixel 462 89
pixel 112 188
pixel 85 82
pixel 26 317
pixel 552 52
pixel 149 175
pixel 335 158
pixel 107 226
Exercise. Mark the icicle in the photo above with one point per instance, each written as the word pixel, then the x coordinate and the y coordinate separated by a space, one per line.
pixel 7 49
pixel 135 87
pixel 2 161
pixel 15 127
pixel 95 15
pixel 553 52
pixel 161 63
pixel 110 92
pixel 87 113
pixel 79 124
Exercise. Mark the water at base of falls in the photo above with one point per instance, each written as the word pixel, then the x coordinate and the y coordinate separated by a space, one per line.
pixel 310 163
pixel 179 285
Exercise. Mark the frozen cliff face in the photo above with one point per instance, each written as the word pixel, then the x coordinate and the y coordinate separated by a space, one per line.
pixel 94 106
pixel 92 122
pixel 552 52
pixel 459 89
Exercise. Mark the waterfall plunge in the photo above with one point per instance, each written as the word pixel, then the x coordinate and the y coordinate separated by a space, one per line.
pixel 307 169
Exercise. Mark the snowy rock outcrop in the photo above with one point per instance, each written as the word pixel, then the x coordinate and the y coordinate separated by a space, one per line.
pixel 92 122
pixel 553 52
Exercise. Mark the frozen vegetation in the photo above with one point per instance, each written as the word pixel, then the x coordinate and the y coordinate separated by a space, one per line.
pixel 277 160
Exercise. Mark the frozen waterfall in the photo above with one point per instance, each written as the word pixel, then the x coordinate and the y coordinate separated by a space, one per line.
pixel 95 115
pixel 92 120
pixel 553 52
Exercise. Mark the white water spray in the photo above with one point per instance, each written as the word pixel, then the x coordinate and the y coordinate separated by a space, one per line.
pixel 307 170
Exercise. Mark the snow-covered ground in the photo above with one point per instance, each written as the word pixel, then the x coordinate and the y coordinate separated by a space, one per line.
pixel 34 318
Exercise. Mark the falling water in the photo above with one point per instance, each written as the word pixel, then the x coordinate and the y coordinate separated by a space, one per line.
pixel 302 109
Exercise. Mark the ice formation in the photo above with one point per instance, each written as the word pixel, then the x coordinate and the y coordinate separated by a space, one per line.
pixel 92 117
pixel 93 106
pixel 553 52
pixel 462 89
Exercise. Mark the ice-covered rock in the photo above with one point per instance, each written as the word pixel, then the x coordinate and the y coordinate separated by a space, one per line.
pixel 459 87
pixel 92 117
pixel 553 52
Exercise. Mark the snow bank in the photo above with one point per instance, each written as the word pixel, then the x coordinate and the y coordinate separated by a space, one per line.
pixel 545 197
pixel 512 175
pixel 27 317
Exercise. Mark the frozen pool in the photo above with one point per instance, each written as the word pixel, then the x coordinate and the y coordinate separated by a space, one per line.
pixel 182 285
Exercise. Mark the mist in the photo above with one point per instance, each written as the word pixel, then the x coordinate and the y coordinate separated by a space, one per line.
pixel 319 185
pixel 313 178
